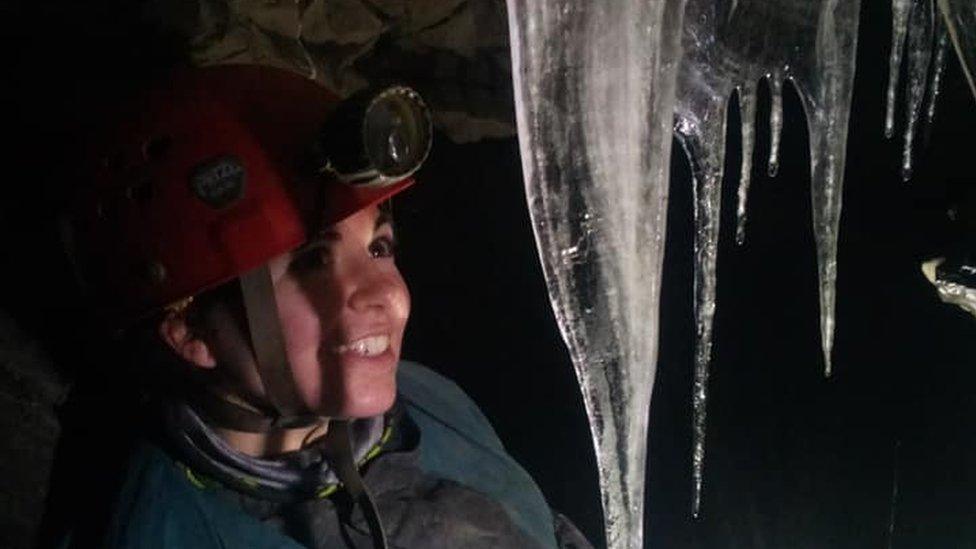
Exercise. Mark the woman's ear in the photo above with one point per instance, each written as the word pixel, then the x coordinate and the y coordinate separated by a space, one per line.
pixel 174 331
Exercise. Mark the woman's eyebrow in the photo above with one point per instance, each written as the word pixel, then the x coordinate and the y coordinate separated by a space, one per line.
pixel 323 237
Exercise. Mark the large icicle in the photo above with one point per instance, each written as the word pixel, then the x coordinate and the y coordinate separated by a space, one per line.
pixel 594 89
pixel 729 46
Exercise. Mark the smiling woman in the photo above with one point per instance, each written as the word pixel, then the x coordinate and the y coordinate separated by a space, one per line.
pixel 342 305
pixel 256 250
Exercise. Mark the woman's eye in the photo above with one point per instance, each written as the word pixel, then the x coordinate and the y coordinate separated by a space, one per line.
pixel 383 246
pixel 310 260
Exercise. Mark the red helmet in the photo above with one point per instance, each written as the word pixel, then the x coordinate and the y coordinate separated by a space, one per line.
pixel 205 177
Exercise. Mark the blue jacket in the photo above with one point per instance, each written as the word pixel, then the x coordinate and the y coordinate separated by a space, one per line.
pixel 160 506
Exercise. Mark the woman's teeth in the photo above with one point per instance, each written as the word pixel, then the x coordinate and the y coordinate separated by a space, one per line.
pixel 367 346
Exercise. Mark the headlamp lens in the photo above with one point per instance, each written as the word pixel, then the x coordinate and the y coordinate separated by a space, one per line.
pixel 396 132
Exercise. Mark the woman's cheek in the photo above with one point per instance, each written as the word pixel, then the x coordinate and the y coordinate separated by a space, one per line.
pixel 401 307
pixel 303 342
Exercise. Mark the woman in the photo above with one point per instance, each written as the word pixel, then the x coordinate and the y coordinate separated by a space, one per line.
pixel 239 215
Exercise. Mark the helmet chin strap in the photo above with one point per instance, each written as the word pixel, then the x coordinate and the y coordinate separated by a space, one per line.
pixel 280 408
pixel 268 343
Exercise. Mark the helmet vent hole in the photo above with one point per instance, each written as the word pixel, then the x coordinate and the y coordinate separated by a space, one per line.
pixel 156 147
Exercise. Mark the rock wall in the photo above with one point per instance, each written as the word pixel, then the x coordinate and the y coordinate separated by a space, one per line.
pixel 455 52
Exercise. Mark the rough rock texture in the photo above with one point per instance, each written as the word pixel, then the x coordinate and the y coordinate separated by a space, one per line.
pixel 455 52
pixel 29 391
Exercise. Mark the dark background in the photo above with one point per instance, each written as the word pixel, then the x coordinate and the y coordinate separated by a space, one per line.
pixel 793 460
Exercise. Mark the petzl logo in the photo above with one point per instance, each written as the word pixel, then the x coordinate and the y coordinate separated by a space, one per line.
pixel 219 182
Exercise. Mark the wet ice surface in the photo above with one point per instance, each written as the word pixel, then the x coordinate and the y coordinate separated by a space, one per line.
pixel 920 44
pixel 960 17
pixel 729 46
pixel 900 11
pixel 938 67
pixel 595 87
pixel 594 90
pixel 918 33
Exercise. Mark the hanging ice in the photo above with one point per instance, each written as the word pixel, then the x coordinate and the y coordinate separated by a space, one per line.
pixel 595 86
pixel 916 20
pixel 900 10
pixel 594 89
pixel 926 28
pixel 729 46
pixel 938 66
pixel 960 18
pixel 920 43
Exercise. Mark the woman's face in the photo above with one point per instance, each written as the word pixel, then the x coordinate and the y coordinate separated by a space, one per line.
pixel 343 307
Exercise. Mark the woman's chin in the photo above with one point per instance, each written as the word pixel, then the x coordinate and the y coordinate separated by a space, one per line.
pixel 361 399
pixel 361 408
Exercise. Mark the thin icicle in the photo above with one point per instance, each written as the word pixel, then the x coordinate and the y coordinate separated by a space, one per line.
pixel 747 108
pixel 707 167
pixel 704 141
pixel 920 42
pixel 938 66
pixel 775 121
pixel 707 214
pixel 826 187
pixel 900 10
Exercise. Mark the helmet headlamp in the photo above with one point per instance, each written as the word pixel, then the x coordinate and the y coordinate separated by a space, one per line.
pixel 376 138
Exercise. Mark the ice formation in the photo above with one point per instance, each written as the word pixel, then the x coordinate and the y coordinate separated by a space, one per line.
pixel 938 66
pixel 594 91
pixel 954 282
pixel 729 47
pixel 595 85
pixel 927 29
pixel 920 40
pixel 916 21
pixel 900 10
pixel 960 18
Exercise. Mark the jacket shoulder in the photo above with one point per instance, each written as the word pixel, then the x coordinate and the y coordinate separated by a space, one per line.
pixel 458 443
pixel 160 507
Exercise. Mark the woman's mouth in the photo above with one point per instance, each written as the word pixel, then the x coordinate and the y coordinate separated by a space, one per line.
pixel 366 347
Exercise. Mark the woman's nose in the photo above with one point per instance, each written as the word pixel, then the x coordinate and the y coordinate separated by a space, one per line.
pixel 372 288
